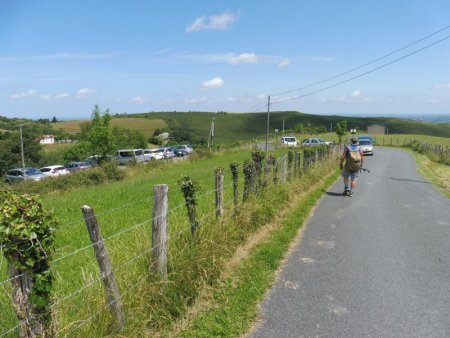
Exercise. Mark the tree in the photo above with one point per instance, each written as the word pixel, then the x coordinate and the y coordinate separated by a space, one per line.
pixel 10 150
pixel 99 136
pixel 54 120
pixel 341 130
pixel 129 138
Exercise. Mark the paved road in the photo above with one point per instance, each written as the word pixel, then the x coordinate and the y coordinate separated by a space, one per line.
pixel 373 265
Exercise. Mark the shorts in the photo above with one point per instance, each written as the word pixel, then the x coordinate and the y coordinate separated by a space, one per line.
pixel 353 175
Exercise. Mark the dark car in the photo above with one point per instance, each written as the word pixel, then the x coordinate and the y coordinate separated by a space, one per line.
pixel 180 151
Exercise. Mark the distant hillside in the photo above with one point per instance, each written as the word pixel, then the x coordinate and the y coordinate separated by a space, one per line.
pixel 232 126
pixel 144 125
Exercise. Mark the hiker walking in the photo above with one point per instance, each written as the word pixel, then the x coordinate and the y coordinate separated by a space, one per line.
pixel 353 157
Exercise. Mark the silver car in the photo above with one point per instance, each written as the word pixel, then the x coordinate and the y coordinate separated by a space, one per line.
pixel 366 146
pixel 16 175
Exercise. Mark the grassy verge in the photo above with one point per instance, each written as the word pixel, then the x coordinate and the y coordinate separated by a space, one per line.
pixel 438 174
pixel 229 309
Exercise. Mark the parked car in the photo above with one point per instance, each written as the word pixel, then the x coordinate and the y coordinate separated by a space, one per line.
pixel 54 170
pixel 153 154
pixel 77 166
pixel 179 152
pixel 125 156
pixel 315 141
pixel 186 147
pixel 366 146
pixel 289 141
pixel 168 152
pixel 16 175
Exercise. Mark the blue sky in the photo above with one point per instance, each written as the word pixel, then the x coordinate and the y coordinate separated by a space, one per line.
pixel 60 58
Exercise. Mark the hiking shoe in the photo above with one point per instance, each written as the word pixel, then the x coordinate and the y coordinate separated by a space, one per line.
pixel 345 193
pixel 350 194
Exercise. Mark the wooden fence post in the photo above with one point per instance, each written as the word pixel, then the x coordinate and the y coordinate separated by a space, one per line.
pixel 283 169
pixel 219 192
pixel 275 171
pixel 160 230
pixel 295 164
pixel 107 276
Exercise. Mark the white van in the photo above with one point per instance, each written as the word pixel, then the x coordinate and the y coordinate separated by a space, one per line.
pixel 125 156
pixel 289 141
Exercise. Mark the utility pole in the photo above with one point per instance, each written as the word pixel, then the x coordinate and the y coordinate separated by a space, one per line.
pixel 331 127
pixel 283 128
pixel 268 114
pixel 211 133
pixel 21 148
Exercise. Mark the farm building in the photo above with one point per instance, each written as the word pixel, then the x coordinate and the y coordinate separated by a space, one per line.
pixel 47 139
pixel 376 129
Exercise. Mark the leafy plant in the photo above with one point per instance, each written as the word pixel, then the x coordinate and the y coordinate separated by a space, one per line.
pixel 27 235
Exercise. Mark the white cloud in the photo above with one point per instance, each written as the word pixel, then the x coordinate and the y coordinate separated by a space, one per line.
pixel 442 86
pixel 46 97
pixel 138 100
pixel 29 93
pixel 244 58
pixel 215 82
pixel 212 22
pixel 197 99
pixel 284 63
pixel 61 96
pixel 356 93
pixel 83 92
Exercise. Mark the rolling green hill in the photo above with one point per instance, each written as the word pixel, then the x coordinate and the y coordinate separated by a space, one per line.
pixel 239 126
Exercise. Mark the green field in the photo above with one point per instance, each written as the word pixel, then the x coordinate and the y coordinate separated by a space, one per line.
pixel 124 213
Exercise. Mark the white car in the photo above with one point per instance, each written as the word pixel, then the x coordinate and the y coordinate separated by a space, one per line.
pixel 289 141
pixel 153 154
pixel 54 170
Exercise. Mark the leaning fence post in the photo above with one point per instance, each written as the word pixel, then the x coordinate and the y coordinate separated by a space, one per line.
pixel 107 276
pixel 159 230
pixel 219 192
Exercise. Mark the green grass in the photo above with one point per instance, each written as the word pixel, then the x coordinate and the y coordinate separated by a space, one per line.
pixel 126 207
pixel 233 306
pixel 403 139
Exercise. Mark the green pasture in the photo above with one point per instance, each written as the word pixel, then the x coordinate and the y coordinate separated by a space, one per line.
pixel 124 212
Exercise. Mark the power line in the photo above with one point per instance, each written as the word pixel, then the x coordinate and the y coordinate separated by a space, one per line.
pixel 363 74
pixel 260 106
pixel 365 64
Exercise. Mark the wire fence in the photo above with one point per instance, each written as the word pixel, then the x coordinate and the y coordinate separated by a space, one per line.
pixel 291 169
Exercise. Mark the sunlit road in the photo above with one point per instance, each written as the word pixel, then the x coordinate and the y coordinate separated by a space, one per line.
pixel 373 265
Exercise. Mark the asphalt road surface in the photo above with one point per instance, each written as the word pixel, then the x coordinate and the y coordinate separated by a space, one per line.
pixel 373 265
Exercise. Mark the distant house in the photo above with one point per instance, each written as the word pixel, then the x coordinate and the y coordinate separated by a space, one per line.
pixel 47 139
pixel 376 129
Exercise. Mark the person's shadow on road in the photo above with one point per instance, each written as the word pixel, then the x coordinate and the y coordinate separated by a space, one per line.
pixel 332 193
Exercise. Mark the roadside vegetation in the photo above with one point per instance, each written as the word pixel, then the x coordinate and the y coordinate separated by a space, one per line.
pixel 125 207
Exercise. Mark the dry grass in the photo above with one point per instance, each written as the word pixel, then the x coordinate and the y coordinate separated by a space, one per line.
pixel 144 125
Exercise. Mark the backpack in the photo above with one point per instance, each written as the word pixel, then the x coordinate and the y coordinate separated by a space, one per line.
pixel 354 159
